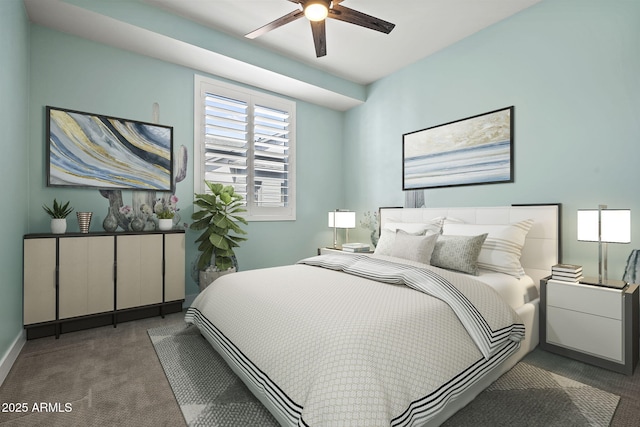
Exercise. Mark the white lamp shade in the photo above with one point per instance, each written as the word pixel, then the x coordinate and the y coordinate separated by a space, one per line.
pixel 616 225
pixel 343 219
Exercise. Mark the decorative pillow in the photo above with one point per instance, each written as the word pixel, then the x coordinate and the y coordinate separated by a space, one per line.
pixel 414 248
pixel 502 249
pixel 458 253
pixel 385 242
pixel 434 226
pixel 387 239
pixel 388 232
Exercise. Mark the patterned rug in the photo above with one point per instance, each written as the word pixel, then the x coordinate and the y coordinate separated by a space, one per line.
pixel 210 394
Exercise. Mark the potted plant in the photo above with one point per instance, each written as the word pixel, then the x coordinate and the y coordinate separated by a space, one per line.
pixel 165 209
pixel 58 214
pixel 218 215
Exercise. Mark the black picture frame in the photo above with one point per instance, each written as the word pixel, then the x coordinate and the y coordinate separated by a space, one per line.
pixel 89 150
pixel 470 151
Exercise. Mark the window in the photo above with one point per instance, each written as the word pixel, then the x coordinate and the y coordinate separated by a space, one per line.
pixel 246 139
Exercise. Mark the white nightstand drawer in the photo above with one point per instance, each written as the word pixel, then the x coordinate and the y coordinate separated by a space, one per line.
pixel 595 300
pixel 600 336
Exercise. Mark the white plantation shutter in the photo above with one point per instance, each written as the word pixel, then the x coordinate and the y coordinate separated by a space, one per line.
pixel 270 156
pixel 226 142
pixel 248 141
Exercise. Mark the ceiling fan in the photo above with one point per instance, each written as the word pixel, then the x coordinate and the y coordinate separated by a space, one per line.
pixel 316 11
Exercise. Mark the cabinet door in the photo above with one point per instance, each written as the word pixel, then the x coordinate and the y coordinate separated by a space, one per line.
pixel 85 275
pixel 139 270
pixel 39 280
pixel 174 267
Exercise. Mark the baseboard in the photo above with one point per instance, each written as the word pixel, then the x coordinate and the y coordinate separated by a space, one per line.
pixel 11 355
pixel 188 300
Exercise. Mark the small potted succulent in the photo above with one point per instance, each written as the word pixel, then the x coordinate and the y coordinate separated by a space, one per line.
pixel 58 213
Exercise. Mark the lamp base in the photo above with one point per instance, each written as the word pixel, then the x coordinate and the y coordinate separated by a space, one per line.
pixel 608 283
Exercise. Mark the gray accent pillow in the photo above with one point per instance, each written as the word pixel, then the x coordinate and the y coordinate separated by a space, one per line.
pixel 387 241
pixel 414 248
pixel 459 253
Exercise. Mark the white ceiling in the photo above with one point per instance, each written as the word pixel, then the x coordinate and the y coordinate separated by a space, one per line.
pixel 356 54
pixel 361 55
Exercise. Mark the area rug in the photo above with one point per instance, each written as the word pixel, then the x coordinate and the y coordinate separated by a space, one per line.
pixel 210 394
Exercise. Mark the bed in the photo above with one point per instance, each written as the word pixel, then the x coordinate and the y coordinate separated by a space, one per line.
pixel 386 339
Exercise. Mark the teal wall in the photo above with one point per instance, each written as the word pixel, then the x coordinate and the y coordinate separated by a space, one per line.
pixel 570 68
pixel 75 73
pixel 142 15
pixel 14 113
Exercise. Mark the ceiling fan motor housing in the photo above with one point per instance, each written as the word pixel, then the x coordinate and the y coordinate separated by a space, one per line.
pixel 316 11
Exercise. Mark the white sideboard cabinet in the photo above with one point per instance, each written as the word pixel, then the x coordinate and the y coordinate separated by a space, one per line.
pixel 76 281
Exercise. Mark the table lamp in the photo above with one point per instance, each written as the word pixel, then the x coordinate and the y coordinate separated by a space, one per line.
pixel 604 226
pixel 341 218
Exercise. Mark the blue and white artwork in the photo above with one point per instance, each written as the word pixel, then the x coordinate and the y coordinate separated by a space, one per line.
pixel 88 150
pixel 475 150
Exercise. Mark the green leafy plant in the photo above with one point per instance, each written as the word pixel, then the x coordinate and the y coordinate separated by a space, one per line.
pixel 59 210
pixel 219 217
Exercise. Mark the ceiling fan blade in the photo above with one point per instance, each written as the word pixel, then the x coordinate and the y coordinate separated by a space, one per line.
pixel 290 17
pixel 319 37
pixel 345 14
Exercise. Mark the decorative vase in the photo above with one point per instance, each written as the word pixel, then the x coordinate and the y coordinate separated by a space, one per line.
pixel 374 238
pixel 110 222
pixel 209 275
pixel 84 220
pixel 165 224
pixel 58 225
pixel 137 224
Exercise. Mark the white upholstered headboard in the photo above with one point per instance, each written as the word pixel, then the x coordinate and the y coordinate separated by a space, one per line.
pixel 542 245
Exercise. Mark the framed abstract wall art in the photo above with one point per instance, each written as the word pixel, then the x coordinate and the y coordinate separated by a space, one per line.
pixel 96 151
pixel 474 150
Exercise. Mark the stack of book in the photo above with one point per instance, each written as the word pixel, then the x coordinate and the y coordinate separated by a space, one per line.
pixel 567 272
pixel 356 247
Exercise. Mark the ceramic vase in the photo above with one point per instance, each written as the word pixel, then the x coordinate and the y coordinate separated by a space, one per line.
pixel 110 222
pixel 137 224
pixel 210 275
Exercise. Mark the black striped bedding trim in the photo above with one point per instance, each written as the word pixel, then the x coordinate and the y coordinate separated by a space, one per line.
pixel 418 411
pixel 278 398
pixel 429 282
pixel 425 408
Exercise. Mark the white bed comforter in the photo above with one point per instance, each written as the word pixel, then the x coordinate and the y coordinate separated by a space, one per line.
pixel 355 340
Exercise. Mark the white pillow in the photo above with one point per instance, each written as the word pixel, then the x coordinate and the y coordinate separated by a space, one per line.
pixel 434 225
pixel 388 232
pixel 502 248
pixel 387 240
pixel 414 248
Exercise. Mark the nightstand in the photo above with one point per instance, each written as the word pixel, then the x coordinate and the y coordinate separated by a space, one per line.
pixel 593 324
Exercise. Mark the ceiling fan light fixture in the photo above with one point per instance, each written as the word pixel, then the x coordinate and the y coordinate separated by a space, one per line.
pixel 316 10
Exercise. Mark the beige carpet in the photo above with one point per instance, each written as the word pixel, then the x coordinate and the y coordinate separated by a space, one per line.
pixel 99 377
pixel 112 377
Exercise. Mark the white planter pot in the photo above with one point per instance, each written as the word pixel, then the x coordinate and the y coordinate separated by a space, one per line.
pixel 165 224
pixel 58 225
pixel 209 276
